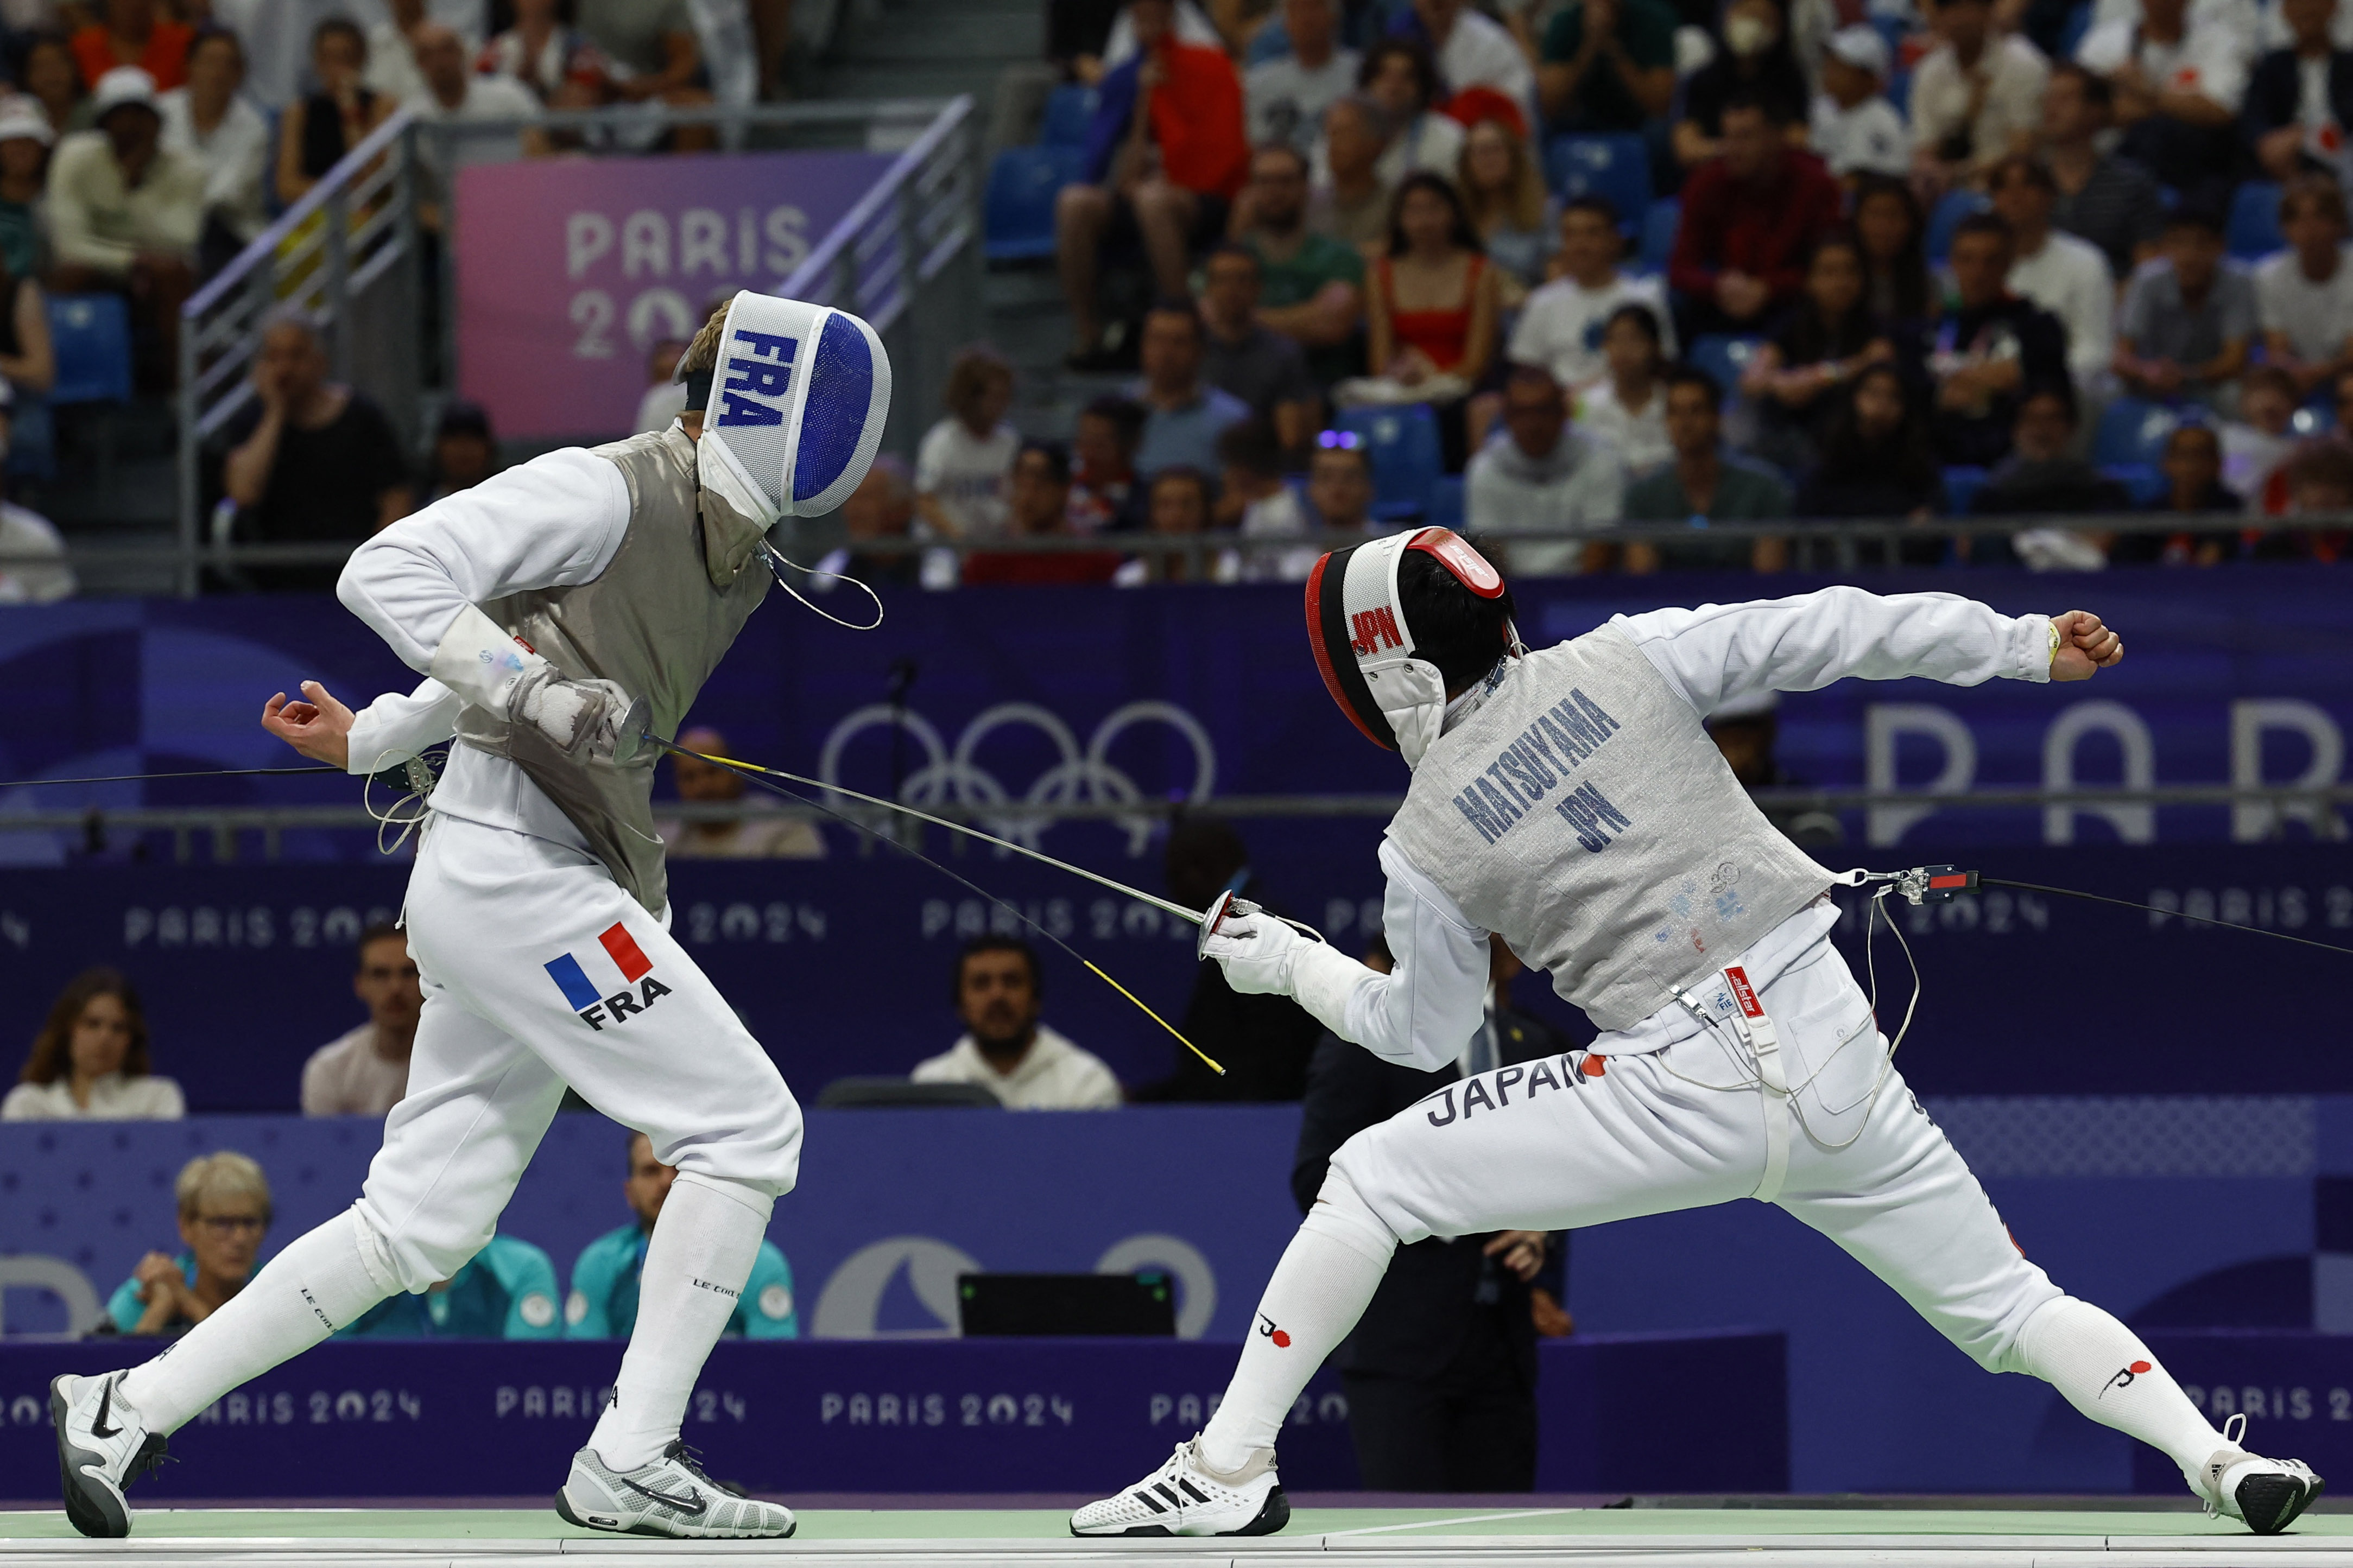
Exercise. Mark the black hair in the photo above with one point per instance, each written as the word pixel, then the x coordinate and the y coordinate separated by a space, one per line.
pixel 1178 305
pixel 997 944
pixel 1905 455
pixel 1252 447
pixel 1466 233
pixel 1989 223
pixel 2096 91
pixel 1592 202
pixel 210 32
pixel 1306 170
pixel 1692 376
pixel 2038 173
pixel 2194 214
pixel 1456 630
pixel 1813 337
pixel 459 417
pixel 1425 68
pixel 344 26
pixel 1747 98
pixel 1645 319
pixel 1531 375
pixel 1235 248
pixel 2057 386
pixel 1126 415
pixel 1056 456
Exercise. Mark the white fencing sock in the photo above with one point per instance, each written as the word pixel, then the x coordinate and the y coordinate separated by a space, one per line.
pixel 1325 1280
pixel 702 1251
pixel 320 1282
pixel 2108 1374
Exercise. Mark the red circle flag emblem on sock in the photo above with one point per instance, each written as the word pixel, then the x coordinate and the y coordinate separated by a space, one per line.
pixel 1281 1340
pixel 2138 1367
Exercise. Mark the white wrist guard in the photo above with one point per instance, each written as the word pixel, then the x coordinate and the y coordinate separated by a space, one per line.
pixel 482 662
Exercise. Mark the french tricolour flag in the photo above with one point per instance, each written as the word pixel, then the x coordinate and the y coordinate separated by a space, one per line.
pixel 573 980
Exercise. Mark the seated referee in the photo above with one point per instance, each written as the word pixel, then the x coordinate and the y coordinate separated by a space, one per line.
pixel 603 1304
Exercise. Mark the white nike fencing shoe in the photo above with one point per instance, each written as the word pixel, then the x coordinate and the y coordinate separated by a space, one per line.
pixel 671 1497
pixel 103 1445
pixel 2265 1494
pixel 1185 1497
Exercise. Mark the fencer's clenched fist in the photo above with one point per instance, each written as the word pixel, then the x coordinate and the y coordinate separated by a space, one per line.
pixel 1254 949
pixel 589 719
pixel 2086 646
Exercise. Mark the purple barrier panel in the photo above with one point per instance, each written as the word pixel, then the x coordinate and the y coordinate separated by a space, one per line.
pixel 1676 1412
pixel 2294 1386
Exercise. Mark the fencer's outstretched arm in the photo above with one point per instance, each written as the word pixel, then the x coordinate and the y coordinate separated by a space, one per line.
pixel 1718 653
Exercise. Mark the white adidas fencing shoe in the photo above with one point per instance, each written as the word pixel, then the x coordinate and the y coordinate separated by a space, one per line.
pixel 671 1497
pixel 2265 1494
pixel 103 1445
pixel 1185 1497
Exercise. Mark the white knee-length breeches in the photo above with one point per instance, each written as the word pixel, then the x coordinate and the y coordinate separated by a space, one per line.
pixel 1580 1141
pixel 540 972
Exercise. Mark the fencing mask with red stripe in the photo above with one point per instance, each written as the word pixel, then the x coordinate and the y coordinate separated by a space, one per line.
pixel 1365 645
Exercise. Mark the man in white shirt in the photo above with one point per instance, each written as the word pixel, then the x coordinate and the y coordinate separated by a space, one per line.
pixel 2066 276
pixel 2178 85
pixel 365 1072
pixel 2304 296
pixel 1537 472
pixel 1285 97
pixel 1559 328
pixel 211 121
pixel 1855 130
pixel 33 569
pixel 455 96
pixel 999 995
pixel 1977 97
pixel 1474 50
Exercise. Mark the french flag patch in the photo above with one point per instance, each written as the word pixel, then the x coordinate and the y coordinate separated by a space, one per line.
pixel 588 1000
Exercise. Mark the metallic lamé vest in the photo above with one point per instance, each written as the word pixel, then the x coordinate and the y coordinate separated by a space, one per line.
pixel 653 621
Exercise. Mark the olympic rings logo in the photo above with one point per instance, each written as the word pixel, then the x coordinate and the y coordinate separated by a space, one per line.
pixel 1084 776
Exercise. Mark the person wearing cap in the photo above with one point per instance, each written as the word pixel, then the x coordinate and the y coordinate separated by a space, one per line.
pixel 209 121
pixel 132 34
pixel 465 453
pixel 1855 130
pixel 24 142
pixel 1977 97
pixel 125 212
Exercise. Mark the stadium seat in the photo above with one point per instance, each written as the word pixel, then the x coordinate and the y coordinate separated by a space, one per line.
pixel 1659 225
pixel 1445 501
pixel 1019 210
pixel 1615 168
pixel 1069 111
pixel 2254 230
pixel 1402 441
pixel 1961 487
pixel 91 334
pixel 2132 434
pixel 1723 357
pixel 1947 218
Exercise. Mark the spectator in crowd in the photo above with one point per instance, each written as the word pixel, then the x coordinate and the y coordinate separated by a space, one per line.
pixel 603 1301
pixel 50 77
pixel 1104 494
pixel 1608 64
pixel 1559 329
pixel 1990 347
pixel 1185 413
pixel 125 214
pixel 1754 66
pixel 1627 410
pixel 1351 199
pixel 2178 83
pixel 364 1072
pixel 211 122
pixel 131 33
pixel 1039 508
pixel 310 461
pixel 391 70
pixel 473 105
pixel 505 1291
pixel 1537 472
pixel 1876 461
pixel 2256 445
pixel 2066 276
pixel 1854 129
pixel 24 142
pixel 1470 50
pixel 1125 37
pixel 1705 484
pixel 2043 475
pixel 1434 305
pixel 1750 216
pixel 882 507
pixel 2108 200
pixel 1264 370
pixel 1887 221
pixel 2187 319
pixel 1179 503
pixel 964 465
pixel 664 398
pixel 88 1063
pixel 1797 375
pixel 1261 504
pixel 465 453
pixel 2300 98
pixel 225 1210
pixel 1340 484
pixel 2193 487
pixel 758 832
pixel 317 131
pixel 2304 295
pixel 558 63
pixel 1505 191
pixel 1166 155
pixel 999 994
pixel 655 57
pixel 1976 98
pixel 1400 78
pixel 2320 483
pixel 1287 95
pixel 33 569
pixel 29 363
pixel 1310 283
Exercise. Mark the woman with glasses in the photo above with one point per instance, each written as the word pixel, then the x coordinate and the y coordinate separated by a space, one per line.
pixel 224 1211
pixel 90 1061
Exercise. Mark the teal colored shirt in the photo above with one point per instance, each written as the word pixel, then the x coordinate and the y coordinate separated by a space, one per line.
pixel 506 1293
pixel 1747 491
pixel 1603 99
pixel 126 1307
pixel 603 1304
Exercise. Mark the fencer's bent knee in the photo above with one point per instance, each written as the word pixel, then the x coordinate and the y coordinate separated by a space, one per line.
pixel 1341 1213
pixel 761 1150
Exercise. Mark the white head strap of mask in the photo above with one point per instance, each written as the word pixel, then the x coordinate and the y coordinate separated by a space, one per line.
pixel 1409 692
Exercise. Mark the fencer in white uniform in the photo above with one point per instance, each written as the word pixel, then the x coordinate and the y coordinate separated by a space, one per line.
pixel 562 609
pixel 1571 801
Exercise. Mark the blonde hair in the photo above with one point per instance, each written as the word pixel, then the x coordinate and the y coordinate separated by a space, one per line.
pixel 226 1174
pixel 703 353
pixel 1520 204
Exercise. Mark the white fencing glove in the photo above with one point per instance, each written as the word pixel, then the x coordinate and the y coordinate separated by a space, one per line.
pixel 586 720
pixel 1263 955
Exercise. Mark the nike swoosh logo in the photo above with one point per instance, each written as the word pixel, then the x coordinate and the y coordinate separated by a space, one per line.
pixel 99 1429
pixel 692 1504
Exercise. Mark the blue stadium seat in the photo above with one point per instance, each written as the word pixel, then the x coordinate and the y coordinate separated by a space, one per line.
pixel 2072 31
pixel 1069 110
pixel 1445 503
pixel 2254 228
pixel 1961 487
pixel 1723 357
pixel 1615 168
pixel 1659 225
pixel 2132 434
pixel 1947 218
pixel 2145 482
pixel 1402 442
pixel 1020 210
pixel 1898 93
pixel 91 334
